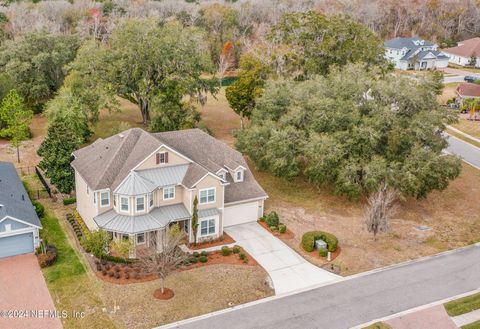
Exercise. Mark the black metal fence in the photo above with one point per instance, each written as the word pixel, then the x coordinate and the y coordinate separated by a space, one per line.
pixel 44 182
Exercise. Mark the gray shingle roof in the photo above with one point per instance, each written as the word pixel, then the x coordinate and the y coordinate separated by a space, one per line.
pixel 205 149
pixel 157 219
pixel 14 199
pixel 106 163
pixel 409 43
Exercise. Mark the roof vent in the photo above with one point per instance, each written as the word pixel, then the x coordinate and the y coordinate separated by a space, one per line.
pixel 23 197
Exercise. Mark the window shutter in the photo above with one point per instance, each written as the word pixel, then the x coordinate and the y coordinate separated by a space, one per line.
pixel 158 158
pixel 166 157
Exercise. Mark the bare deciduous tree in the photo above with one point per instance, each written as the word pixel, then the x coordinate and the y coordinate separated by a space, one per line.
pixel 164 262
pixel 380 209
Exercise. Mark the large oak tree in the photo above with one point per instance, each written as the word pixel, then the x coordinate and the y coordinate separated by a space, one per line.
pixel 353 130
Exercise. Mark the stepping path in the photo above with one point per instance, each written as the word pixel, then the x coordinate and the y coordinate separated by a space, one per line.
pixel 288 270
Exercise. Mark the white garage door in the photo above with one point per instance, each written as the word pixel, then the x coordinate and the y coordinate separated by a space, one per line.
pixel 239 214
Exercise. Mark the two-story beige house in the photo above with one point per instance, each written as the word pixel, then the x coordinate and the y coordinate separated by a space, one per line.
pixel 135 184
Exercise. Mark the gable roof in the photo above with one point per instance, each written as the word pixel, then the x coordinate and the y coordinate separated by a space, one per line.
pixel 469 90
pixel 466 48
pixel 14 200
pixel 107 162
pixel 409 43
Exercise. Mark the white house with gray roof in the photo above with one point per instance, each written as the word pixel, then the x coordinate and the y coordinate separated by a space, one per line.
pixel 19 223
pixel 414 54
pixel 135 184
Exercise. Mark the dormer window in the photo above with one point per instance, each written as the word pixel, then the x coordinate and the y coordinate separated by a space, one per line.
pixel 162 158
pixel 222 175
pixel 239 175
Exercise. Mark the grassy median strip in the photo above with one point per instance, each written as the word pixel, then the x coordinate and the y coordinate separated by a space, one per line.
pixel 475 325
pixel 463 305
pixel 463 138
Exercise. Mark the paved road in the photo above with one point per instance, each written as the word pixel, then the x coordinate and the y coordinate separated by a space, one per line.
pixel 467 151
pixel 288 270
pixel 360 299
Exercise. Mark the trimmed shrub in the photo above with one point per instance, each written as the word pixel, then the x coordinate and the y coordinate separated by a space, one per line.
pixel 272 219
pixel 196 254
pixel 39 209
pixel 308 240
pixel 323 252
pixel 236 249
pixel 242 256
pixel 273 228
pixel 193 260
pixel 99 267
pixel 104 272
pixel 68 201
pixel 226 251
pixel 117 275
pixel 203 259
pixel 49 257
pixel 127 276
pixel 282 228
pixel 262 219
pixel 204 253
pixel 110 274
pixel 136 275
pixel 116 268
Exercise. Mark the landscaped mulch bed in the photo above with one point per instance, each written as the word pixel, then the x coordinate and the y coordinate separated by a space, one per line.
pixel 315 253
pixel 167 294
pixel 127 273
pixel 288 235
pixel 227 239
pixel 216 257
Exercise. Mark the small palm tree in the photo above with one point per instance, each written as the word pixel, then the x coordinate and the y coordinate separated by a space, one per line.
pixel 472 105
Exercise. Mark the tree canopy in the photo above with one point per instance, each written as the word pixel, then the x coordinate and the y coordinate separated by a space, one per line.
pixel 353 130
pixel 310 43
pixel 144 61
pixel 35 63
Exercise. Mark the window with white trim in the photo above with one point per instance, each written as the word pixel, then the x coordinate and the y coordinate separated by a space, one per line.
pixel 239 175
pixel 150 200
pixel 207 195
pixel 207 227
pixel 124 203
pixel 169 193
pixel 105 199
pixel 140 238
pixel 140 203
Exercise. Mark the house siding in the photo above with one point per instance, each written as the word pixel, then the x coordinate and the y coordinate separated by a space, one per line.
pixel 174 159
pixel 85 206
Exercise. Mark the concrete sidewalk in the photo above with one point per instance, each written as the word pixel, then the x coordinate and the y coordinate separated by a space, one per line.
pixel 466 318
pixel 288 270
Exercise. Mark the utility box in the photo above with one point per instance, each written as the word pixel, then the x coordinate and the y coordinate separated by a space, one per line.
pixel 320 244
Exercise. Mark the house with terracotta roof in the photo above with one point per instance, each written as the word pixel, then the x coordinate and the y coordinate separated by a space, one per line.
pixel 136 184
pixel 468 90
pixel 414 54
pixel 463 53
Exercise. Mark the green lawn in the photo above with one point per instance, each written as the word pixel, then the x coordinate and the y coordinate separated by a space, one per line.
pixel 68 281
pixel 465 139
pixel 68 263
pixel 474 325
pixel 463 305
pixel 469 69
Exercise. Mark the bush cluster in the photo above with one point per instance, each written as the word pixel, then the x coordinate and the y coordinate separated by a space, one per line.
pixel 226 251
pixel 49 257
pixel 68 201
pixel 39 209
pixel 272 219
pixel 308 240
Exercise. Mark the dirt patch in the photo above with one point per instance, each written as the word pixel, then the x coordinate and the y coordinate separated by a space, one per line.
pixel 227 239
pixel 288 235
pixel 199 291
pixel 166 295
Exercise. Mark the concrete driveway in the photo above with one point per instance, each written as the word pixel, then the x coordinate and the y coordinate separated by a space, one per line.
pixel 288 270
pixel 23 290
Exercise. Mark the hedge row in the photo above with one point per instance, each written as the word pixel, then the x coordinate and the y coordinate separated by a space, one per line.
pixel 309 238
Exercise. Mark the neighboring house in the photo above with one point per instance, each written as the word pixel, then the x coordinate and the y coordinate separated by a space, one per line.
pixel 414 54
pixel 467 90
pixel 464 51
pixel 135 184
pixel 19 223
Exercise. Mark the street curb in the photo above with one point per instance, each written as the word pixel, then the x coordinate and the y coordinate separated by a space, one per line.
pixel 275 297
pixel 469 144
pixel 464 134
pixel 416 309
